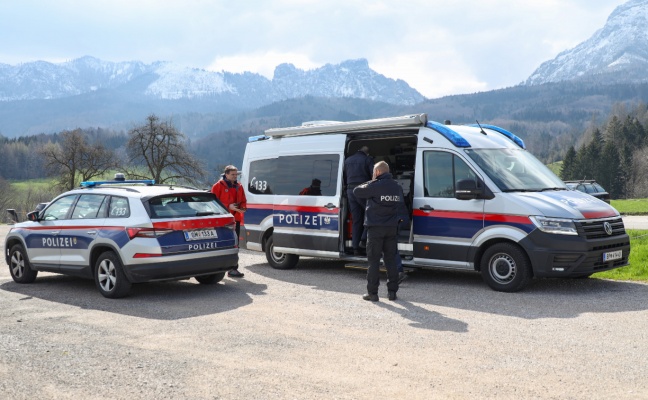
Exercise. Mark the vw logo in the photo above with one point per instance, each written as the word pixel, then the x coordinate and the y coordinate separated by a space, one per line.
pixel 607 227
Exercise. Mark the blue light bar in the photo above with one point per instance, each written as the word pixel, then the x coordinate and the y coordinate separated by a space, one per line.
pixel 147 182
pixel 449 134
pixel 504 132
pixel 257 138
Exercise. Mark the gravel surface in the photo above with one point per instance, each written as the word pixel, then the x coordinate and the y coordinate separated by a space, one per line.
pixel 307 333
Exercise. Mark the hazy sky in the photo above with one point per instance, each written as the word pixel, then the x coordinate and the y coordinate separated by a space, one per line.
pixel 439 47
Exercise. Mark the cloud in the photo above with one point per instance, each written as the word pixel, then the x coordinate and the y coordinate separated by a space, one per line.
pixel 438 47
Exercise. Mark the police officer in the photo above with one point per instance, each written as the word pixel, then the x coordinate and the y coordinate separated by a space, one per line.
pixel 357 170
pixel 385 206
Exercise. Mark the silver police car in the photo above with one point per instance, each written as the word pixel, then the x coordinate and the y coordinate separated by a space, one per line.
pixel 123 232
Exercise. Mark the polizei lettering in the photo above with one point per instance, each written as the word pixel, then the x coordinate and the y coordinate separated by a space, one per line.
pixel 390 198
pixel 59 241
pixel 203 246
pixel 304 220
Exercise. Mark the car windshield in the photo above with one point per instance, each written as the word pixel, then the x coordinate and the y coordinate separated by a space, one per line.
pixel 515 170
pixel 185 205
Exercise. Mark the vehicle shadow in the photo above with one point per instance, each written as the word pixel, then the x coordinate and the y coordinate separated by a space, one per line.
pixel 543 298
pixel 170 300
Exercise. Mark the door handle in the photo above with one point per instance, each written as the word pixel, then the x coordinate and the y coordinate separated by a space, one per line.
pixel 330 206
pixel 91 232
pixel 55 232
pixel 426 208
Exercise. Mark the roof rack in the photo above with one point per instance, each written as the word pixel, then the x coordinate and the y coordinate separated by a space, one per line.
pixel 317 127
pixel 89 184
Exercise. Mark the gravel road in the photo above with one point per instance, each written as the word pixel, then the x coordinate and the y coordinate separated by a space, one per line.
pixel 307 333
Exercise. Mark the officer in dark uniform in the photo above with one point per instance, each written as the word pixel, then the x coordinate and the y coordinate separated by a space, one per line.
pixel 357 170
pixel 385 206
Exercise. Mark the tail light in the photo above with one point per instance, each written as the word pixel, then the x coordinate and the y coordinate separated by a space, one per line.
pixel 147 232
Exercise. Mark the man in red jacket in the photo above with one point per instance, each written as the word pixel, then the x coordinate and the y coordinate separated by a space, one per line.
pixel 231 194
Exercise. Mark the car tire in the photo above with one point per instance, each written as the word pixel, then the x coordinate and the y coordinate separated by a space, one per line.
pixel 505 267
pixel 109 276
pixel 279 260
pixel 210 279
pixel 19 265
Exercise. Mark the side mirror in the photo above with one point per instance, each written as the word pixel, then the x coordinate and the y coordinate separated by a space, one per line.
pixel 467 190
pixel 33 216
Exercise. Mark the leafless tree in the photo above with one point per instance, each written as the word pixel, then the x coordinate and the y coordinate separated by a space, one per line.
pixel 7 198
pixel 158 148
pixel 74 157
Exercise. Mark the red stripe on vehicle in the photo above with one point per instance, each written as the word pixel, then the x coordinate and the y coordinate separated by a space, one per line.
pixel 516 219
pixel 599 214
pixel 294 208
pixel 195 223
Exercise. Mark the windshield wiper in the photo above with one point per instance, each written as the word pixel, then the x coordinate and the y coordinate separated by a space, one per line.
pixel 552 188
pixel 520 190
pixel 203 213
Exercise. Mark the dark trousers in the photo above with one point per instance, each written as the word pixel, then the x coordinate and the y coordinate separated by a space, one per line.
pixel 382 241
pixel 238 235
pixel 357 209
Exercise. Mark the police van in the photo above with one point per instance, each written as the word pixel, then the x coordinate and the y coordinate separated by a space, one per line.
pixel 478 200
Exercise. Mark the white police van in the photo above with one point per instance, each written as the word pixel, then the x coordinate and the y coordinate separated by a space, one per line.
pixel 478 201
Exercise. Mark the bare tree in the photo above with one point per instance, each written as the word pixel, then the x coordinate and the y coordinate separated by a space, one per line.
pixel 7 198
pixel 158 148
pixel 73 158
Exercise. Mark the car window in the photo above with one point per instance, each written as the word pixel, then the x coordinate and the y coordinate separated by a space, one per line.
pixel 88 206
pixel 59 209
pixel 119 207
pixel 188 205
pixel 589 188
pixel 598 187
pixel 442 172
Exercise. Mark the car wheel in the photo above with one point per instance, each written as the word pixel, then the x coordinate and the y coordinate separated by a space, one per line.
pixel 279 260
pixel 19 265
pixel 109 276
pixel 210 279
pixel 506 268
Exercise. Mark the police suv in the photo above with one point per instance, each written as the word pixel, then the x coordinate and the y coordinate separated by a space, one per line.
pixel 477 201
pixel 123 232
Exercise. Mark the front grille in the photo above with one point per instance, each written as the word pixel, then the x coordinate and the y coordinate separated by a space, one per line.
pixel 593 229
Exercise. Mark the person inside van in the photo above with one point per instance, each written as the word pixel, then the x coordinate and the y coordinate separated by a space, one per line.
pixel 358 169
pixel 313 190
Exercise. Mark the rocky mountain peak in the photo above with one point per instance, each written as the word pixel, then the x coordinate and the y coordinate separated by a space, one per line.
pixel 618 52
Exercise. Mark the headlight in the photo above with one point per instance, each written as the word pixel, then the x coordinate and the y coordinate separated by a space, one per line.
pixel 555 225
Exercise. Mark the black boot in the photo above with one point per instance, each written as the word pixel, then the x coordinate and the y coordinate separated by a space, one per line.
pixel 370 297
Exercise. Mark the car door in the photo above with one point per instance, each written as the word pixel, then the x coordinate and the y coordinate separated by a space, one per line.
pixel 44 240
pixel 307 221
pixel 80 230
pixel 443 226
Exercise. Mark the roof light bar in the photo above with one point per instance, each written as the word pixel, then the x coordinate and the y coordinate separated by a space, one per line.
pixel 147 182
pixel 504 132
pixel 454 138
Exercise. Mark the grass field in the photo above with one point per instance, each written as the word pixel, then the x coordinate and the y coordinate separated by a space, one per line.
pixel 631 206
pixel 638 268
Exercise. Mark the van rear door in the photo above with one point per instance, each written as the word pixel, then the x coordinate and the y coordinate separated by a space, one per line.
pixel 307 197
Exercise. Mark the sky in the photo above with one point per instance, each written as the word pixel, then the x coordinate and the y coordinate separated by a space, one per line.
pixel 439 47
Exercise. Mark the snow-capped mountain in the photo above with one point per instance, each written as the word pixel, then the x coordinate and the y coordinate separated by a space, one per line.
pixel 616 53
pixel 164 80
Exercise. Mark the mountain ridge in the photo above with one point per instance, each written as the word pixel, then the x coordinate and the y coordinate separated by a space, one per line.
pixel 618 52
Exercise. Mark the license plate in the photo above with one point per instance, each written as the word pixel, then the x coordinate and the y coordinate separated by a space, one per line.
pixel 613 255
pixel 200 234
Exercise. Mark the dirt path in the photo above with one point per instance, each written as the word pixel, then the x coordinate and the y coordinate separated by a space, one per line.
pixel 307 333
